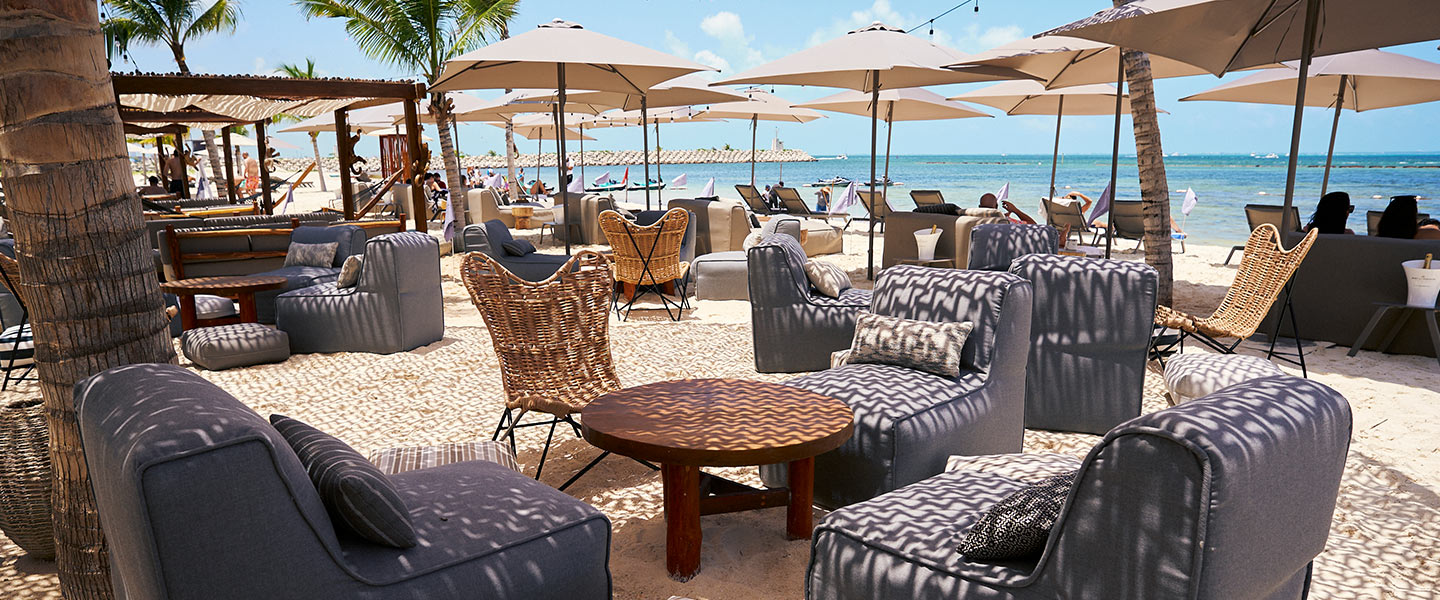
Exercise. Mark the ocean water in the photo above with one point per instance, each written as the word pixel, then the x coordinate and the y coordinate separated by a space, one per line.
pixel 1224 183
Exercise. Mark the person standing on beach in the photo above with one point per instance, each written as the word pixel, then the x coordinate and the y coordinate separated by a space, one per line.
pixel 252 172
pixel 175 169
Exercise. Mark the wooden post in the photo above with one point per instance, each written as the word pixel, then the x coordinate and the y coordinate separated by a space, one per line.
pixel 343 152
pixel 229 165
pixel 412 138
pixel 681 485
pixel 799 515
pixel 264 151
pixel 184 166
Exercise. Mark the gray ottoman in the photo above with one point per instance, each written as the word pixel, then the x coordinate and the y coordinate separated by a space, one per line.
pixel 721 276
pixel 237 345
pixel 1191 376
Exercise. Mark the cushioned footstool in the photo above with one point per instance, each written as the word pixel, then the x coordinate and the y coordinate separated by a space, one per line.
pixel 1191 376
pixel 721 276
pixel 237 345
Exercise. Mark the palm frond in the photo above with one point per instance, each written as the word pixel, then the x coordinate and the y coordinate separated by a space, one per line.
pixel 416 34
pixel 221 17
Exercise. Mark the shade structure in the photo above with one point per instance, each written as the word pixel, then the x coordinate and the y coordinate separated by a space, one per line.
pixel 760 106
pixel 561 55
pixel 1239 34
pixel 1062 61
pixel 905 104
pixel 324 123
pixel 1361 80
pixel 870 59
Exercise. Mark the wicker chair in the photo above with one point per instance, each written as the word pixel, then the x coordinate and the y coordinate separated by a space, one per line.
pixel 1265 270
pixel 552 338
pixel 647 259
pixel 17 345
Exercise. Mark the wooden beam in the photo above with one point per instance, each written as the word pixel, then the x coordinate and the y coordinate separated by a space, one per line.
pixel 264 150
pixel 133 129
pixel 342 152
pixel 135 115
pixel 415 166
pixel 229 165
pixel 265 87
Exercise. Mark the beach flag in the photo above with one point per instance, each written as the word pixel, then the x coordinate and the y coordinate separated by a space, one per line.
pixel 203 190
pixel 847 199
pixel 1102 206
pixel 449 225
pixel 1003 194
pixel 576 187
pixel 709 191
pixel 604 177
pixel 679 182
pixel 285 203
pixel 626 179
pixel 1189 203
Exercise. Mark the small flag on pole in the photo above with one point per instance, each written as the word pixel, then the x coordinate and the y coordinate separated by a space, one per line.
pixel 1189 203
pixel 709 191
pixel 847 199
pixel 603 178
pixel 1102 206
pixel 1003 194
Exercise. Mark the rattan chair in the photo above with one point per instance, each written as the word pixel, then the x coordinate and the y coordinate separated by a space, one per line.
pixel 552 338
pixel 647 260
pixel 17 345
pixel 1265 271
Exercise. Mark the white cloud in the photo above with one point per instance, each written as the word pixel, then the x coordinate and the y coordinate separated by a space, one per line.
pixel 676 45
pixel 973 39
pixel 708 58
pixel 260 66
pixel 726 27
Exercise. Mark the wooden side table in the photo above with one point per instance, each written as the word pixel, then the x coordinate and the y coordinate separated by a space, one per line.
pixel 934 262
pixel 1405 313
pixel 240 289
pixel 690 423
pixel 522 216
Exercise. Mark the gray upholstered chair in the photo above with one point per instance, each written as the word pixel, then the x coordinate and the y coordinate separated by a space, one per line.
pixel 1088 338
pixel 201 498
pixel 395 306
pixel 908 422
pixel 1229 496
pixel 488 237
pixel 795 329
pixel 993 246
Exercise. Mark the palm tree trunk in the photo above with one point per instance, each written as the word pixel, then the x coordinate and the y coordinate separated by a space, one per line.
pixel 319 170
pixel 1154 189
pixel 211 151
pixel 451 159
pixel 86 271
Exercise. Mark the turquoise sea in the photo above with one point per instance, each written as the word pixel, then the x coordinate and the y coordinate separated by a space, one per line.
pixel 1223 182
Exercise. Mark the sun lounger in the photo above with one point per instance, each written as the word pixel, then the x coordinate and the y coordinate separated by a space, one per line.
pixel 1062 214
pixel 875 204
pixel 752 198
pixel 1259 214
pixel 796 205
pixel 927 197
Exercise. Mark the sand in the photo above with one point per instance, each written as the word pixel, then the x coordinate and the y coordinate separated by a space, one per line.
pixel 1384 541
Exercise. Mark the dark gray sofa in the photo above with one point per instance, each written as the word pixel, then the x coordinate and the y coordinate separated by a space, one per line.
pixel 993 246
pixel 1229 496
pixel 487 237
pixel 1089 333
pixel 395 306
pixel 1340 280
pixel 907 422
pixel 794 328
pixel 231 513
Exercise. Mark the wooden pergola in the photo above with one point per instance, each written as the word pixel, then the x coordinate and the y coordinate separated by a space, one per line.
pixel 350 94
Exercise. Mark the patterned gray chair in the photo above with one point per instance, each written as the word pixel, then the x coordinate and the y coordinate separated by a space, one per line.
pixel 488 237
pixel 1088 338
pixel 994 246
pixel 351 240
pixel 907 422
pixel 794 328
pixel 395 306
pixel 201 498
pixel 1229 496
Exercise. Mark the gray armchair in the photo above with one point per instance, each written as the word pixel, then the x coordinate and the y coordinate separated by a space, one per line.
pixel 907 422
pixel 1088 338
pixel 488 237
pixel 993 246
pixel 395 306
pixel 794 328
pixel 1229 496
pixel 201 498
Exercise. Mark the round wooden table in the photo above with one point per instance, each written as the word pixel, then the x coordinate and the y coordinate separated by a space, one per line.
pixel 240 289
pixel 522 215
pixel 690 423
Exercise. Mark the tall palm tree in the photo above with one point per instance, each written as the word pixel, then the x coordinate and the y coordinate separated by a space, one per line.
pixel 1150 157
pixel 421 35
pixel 172 23
pixel 85 268
pixel 305 72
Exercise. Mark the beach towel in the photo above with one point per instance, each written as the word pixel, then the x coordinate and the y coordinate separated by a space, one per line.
pixel 1102 206
pixel 449 225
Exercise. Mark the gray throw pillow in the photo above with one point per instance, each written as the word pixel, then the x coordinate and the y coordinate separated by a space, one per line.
pixel 310 255
pixel 350 486
pixel 350 272
pixel 517 247
pixel 828 278
pixel 1018 525
pixel 927 346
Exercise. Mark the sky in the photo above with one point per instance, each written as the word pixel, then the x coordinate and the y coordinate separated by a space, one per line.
pixel 735 35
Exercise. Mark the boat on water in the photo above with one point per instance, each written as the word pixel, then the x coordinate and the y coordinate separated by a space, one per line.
pixel 609 186
pixel 655 184
pixel 840 157
pixel 837 180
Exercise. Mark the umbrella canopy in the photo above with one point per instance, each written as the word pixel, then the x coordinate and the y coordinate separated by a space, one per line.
pixel 525 101
pixel 463 103
pixel 686 90
pixel 1031 98
pixel 631 118
pixel 1066 61
pixel 545 131
pixel 1360 81
pixel 906 104
pixel 135 148
pixel 395 130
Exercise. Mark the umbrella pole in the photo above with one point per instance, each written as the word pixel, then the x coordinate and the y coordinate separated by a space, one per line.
pixel 1312 15
pixel 645 140
pixel 889 127
pixel 1334 126
pixel 1055 157
pixel 582 155
pixel 660 191
pixel 874 133
pixel 560 141
pixel 1114 158
pixel 754 120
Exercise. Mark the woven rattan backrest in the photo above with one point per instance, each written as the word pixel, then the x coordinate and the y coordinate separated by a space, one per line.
pixel 1264 269
pixel 11 280
pixel 655 246
pixel 553 336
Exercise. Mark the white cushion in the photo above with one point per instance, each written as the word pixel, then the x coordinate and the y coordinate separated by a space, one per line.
pixel 828 278
pixel 1191 376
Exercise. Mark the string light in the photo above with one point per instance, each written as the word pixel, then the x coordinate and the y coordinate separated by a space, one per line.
pixel 931 21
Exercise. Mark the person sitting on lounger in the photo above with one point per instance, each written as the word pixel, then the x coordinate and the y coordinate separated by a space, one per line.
pixel 1331 213
pixel 154 189
pixel 1400 219
pixel 1016 215
pixel 1429 229
pixel 988 200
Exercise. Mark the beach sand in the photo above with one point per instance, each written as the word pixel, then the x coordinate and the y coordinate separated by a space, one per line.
pixel 1384 542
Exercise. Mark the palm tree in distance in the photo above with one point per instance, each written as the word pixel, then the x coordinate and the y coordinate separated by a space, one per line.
pixel 421 35
pixel 305 72
pixel 171 23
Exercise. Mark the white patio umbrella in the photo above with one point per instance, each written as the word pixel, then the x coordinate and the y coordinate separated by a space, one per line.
pixel 273 142
pixel 759 106
pixel 1228 35
pixel 904 104
pixel 631 118
pixel 1360 81
pixel 326 123
pixel 135 148
pixel 560 55
pixel 870 59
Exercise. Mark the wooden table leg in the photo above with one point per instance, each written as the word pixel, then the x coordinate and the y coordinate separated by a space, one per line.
pixel 799 517
pixel 187 312
pixel 248 314
pixel 682 520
